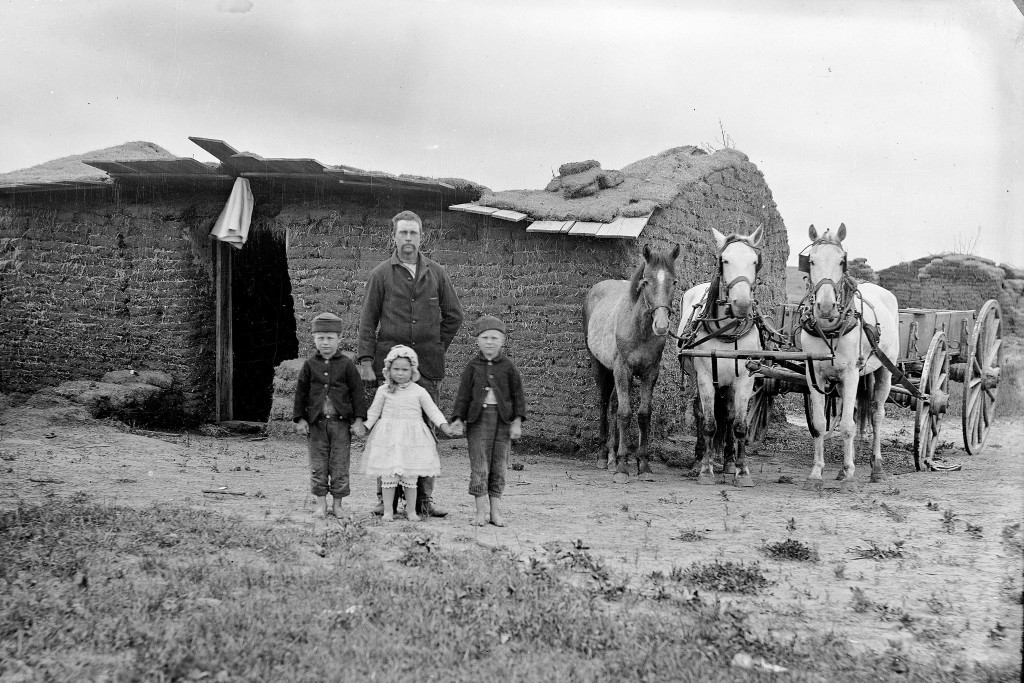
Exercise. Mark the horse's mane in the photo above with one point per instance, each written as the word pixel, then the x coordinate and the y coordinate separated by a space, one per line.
pixel 659 261
pixel 828 238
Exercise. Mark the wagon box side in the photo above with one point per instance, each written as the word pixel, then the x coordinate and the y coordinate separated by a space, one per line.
pixel 919 325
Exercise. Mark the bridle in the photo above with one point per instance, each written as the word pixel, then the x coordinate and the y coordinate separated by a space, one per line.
pixel 642 286
pixel 718 296
pixel 724 291
pixel 845 291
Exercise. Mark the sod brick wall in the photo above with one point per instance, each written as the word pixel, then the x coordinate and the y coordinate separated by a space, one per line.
pixel 94 282
pixel 958 282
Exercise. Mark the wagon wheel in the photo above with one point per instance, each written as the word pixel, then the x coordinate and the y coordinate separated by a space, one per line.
pixel 981 376
pixel 931 405
pixel 758 410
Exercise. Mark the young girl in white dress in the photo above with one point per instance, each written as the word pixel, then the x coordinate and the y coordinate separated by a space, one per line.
pixel 400 447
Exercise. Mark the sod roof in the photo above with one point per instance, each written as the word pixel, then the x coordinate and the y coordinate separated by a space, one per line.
pixel 648 184
pixel 72 169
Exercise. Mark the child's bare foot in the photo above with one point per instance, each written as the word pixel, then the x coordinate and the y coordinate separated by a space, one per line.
pixel 320 512
pixel 389 516
pixel 412 516
pixel 340 512
pixel 480 520
pixel 496 518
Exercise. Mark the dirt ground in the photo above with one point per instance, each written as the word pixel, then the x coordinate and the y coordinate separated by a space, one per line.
pixel 953 592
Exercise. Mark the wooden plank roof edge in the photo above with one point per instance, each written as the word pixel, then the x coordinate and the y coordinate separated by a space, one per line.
pixel 209 144
pixel 503 214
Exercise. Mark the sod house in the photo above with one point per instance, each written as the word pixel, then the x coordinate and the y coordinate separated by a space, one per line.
pixel 121 263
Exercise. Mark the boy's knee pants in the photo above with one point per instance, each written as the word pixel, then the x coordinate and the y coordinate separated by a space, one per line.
pixel 489 447
pixel 329 444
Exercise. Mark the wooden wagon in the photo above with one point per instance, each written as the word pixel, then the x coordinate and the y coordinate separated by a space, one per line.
pixel 936 347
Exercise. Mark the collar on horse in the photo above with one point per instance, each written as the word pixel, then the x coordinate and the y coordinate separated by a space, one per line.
pixel 725 328
pixel 846 292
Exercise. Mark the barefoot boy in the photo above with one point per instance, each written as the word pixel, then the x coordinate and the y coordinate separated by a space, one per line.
pixel 330 406
pixel 491 402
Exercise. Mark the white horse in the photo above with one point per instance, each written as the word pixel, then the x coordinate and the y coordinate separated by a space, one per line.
pixel 836 316
pixel 717 316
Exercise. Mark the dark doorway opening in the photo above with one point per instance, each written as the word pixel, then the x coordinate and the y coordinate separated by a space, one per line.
pixel 262 321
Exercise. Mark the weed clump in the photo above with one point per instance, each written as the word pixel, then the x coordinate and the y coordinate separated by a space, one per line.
pixel 689 536
pixel 726 577
pixel 875 552
pixel 791 550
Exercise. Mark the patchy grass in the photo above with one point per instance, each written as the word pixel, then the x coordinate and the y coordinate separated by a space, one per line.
pixel 690 536
pixel 725 577
pixel 103 593
pixel 875 552
pixel 790 550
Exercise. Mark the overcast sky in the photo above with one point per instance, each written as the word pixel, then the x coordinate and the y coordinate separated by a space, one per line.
pixel 905 120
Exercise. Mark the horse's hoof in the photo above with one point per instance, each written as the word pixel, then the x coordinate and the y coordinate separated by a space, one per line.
pixel 621 478
pixel 879 477
pixel 602 463
pixel 730 468
pixel 812 484
pixel 848 486
pixel 744 480
pixel 705 479
pixel 841 476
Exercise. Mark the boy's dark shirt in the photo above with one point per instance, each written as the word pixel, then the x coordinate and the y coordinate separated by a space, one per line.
pixel 423 313
pixel 338 378
pixel 500 375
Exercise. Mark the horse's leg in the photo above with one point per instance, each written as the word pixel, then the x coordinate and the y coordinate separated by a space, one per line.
pixel 817 429
pixel 743 387
pixel 643 418
pixel 848 430
pixel 623 416
pixel 883 382
pixel 605 384
pixel 701 446
pixel 725 416
pixel 707 402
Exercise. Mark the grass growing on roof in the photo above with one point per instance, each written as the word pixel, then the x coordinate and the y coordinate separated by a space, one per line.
pixel 647 184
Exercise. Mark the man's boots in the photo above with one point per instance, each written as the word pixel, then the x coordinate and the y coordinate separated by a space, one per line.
pixel 425 506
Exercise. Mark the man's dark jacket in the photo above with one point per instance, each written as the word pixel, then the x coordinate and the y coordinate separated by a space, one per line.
pixel 338 378
pixel 424 314
pixel 502 377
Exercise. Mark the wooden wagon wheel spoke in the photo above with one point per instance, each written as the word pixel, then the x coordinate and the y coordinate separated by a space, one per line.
pixel 991 359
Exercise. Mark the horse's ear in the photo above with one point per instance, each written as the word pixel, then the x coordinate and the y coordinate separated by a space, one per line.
pixel 647 252
pixel 755 237
pixel 841 233
pixel 812 233
pixel 675 251
pixel 719 239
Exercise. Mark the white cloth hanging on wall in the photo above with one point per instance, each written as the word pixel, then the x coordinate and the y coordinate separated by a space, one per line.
pixel 232 225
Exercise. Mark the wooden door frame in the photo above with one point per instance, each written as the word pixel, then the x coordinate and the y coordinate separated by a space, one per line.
pixel 224 371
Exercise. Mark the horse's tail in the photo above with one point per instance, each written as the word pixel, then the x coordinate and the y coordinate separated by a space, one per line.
pixel 865 395
pixel 723 425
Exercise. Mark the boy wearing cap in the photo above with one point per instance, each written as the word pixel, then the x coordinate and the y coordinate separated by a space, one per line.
pixel 491 403
pixel 329 407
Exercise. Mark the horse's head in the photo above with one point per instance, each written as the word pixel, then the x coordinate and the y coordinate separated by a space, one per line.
pixel 655 282
pixel 739 260
pixel 826 268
